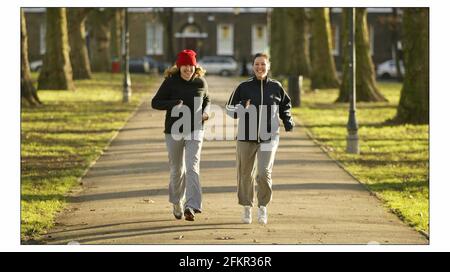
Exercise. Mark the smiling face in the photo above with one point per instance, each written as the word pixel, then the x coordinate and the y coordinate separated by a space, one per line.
pixel 261 67
pixel 187 71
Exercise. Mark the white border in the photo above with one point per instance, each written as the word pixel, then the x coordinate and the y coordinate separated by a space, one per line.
pixel 439 147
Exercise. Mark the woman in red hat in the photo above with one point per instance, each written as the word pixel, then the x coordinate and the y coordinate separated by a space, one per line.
pixel 184 97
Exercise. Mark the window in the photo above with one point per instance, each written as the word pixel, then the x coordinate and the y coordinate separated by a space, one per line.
pixel 259 39
pixel 42 33
pixel 335 40
pixel 371 39
pixel 191 29
pixel 154 39
pixel 225 34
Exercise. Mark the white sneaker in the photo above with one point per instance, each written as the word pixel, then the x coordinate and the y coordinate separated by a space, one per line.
pixel 262 215
pixel 178 210
pixel 247 215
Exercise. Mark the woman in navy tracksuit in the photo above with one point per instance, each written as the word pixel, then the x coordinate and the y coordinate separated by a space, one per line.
pixel 257 103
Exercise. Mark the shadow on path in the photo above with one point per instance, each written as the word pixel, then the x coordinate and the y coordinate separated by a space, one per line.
pixel 120 233
pixel 216 190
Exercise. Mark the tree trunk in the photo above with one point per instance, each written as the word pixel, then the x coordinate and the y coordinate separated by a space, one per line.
pixel 366 89
pixel 298 54
pixel 27 90
pixel 345 88
pixel 395 40
pixel 278 42
pixel 81 67
pixel 414 98
pixel 100 23
pixel 167 19
pixel 116 33
pixel 56 73
pixel 323 74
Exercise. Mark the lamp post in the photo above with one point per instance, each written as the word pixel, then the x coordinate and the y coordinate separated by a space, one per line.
pixel 352 124
pixel 126 58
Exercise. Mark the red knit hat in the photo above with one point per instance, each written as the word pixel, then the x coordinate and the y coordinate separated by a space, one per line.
pixel 186 57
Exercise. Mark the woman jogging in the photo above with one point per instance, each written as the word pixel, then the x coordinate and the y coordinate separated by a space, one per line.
pixel 257 103
pixel 184 97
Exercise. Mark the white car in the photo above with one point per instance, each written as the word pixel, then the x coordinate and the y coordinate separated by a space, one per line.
pixel 388 69
pixel 36 65
pixel 219 65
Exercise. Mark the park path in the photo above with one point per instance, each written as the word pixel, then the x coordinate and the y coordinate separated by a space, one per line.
pixel 124 199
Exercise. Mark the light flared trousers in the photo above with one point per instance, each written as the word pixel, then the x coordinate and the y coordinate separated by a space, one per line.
pixel 184 163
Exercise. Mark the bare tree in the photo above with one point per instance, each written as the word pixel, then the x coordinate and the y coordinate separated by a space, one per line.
pixel 298 53
pixel 166 16
pixel 414 99
pixel 116 32
pixel 79 57
pixel 278 43
pixel 366 88
pixel 395 41
pixel 99 21
pixel 56 73
pixel 27 90
pixel 323 73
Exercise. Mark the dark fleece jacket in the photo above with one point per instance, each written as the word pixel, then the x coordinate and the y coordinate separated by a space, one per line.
pixel 174 89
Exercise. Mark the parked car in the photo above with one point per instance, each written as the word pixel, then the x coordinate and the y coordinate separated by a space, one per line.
pixel 220 65
pixel 249 67
pixel 387 69
pixel 35 66
pixel 139 65
pixel 159 66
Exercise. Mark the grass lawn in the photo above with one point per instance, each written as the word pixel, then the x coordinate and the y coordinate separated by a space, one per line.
pixel 394 159
pixel 61 139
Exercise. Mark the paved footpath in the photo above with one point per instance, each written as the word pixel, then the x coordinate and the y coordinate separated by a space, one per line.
pixel 124 199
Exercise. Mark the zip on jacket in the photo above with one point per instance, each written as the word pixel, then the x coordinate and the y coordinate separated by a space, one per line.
pixel 260 114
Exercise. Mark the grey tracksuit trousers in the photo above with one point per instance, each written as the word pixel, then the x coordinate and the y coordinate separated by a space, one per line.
pixel 184 162
pixel 255 162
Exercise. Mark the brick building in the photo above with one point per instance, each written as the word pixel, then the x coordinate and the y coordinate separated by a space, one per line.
pixel 237 32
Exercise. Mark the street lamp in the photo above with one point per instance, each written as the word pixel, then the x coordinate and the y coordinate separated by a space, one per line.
pixel 352 124
pixel 126 63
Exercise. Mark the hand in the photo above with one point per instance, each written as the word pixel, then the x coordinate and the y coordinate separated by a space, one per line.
pixel 205 116
pixel 178 104
pixel 289 129
pixel 246 103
